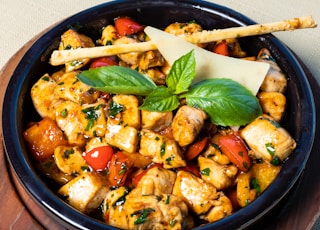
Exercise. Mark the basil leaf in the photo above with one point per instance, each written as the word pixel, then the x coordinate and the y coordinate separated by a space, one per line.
pixel 117 80
pixel 227 102
pixel 182 73
pixel 160 100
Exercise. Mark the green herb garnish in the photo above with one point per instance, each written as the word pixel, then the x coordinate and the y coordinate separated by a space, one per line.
pixel 205 172
pixel 227 102
pixel 143 214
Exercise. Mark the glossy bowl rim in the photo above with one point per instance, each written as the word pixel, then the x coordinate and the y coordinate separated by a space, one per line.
pixel 59 209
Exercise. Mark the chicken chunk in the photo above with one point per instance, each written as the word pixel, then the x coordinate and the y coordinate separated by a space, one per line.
pixel 188 28
pixel 157 181
pixel 113 210
pixel 69 88
pixel 273 142
pixel 79 122
pixel 43 97
pixel 150 59
pixel 128 107
pixel 155 121
pixel 222 208
pixel 122 136
pixel 154 212
pixel 275 80
pixel 161 150
pixel 245 194
pixel 68 118
pixel 221 176
pixel 131 58
pixel 94 120
pixel 85 192
pixel 198 194
pixel 69 160
pixel 265 174
pixel 109 35
pixel 73 40
pixel 187 124
pixel 213 152
pixel 273 104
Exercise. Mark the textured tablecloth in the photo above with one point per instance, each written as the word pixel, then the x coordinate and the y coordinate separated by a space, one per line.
pixel 22 20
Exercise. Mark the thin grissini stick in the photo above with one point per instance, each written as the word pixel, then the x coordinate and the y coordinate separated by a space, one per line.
pixel 60 57
pixel 251 30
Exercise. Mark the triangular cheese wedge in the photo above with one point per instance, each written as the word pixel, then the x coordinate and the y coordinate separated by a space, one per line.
pixel 208 64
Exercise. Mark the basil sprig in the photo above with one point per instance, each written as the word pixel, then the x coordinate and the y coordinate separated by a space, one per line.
pixel 226 102
pixel 117 80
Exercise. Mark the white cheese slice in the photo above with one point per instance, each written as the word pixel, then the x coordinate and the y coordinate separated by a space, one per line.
pixel 208 64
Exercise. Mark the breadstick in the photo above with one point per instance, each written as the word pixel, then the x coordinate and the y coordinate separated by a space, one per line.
pixel 60 57
pixel 257 29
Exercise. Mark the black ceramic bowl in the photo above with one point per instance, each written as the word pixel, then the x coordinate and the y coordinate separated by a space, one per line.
pixel 299 120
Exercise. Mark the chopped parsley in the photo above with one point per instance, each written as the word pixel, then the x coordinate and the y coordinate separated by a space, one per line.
pixel 163 149
pixel 205 172
pixel 143 215
pixel 114 109
pixel 67 153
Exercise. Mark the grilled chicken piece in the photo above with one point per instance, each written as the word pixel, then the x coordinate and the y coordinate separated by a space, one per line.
pixel 275 80
pixel 85 192
pixel 95 142
pixel 73 40
pixel 68 119
pixel 43 97
pixel 265 174
pixel 213 152
pixel 222 208
pixel 188 28
pixel 69 160
pixel 79 121
pixel 221 176
pixel 109 35
pixel 94 120
pixel 70 88
pixel 187 124
pixel 131 58
pixel 198 194
pixel 129 114
pixel 156 181
pixel 245 194
pixel 113 210
pixel 161 150
pixel 122 136
pixel 150 59
pixel 273 104
pixel 154 212
pixel 155 121
pixel 273 142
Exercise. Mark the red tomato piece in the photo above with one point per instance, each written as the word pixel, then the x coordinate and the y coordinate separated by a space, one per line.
pixel 127 26
pixel 232 195
pixel 103 61
pixel 195 149
pixel 235 149
pixel 137 178
pixel 119 168
pixel 221 48
pixel 99 157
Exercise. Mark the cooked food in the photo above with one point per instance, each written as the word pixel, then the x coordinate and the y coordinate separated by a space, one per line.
pixel 132 137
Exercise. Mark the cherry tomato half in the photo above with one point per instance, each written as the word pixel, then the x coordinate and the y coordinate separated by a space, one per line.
pixel 99 157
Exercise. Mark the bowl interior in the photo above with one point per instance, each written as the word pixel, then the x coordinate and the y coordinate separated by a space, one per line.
pixel 18 109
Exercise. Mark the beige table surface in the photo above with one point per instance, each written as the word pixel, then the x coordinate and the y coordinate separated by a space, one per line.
pixel 20 21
